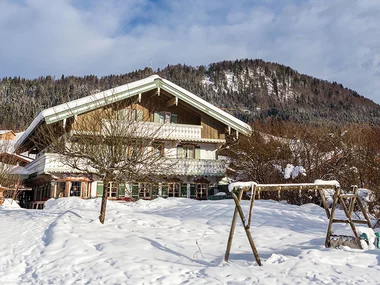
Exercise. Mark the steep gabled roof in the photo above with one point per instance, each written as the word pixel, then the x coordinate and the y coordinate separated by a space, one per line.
pixel 85 104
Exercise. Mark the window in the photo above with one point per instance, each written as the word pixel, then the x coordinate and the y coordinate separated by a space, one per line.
pixel 173 189
pixel 202 189
pixel 61 187
pixel 86 190
pixel 134 150
pixel 145 190
pixel 75 190
pixel 130 115
pixel 188 151
pixel 112 189
pixel 158 149
pixel 164 117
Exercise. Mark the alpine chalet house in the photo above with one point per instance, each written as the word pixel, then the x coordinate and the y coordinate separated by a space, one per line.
pixel 8 135
pixel 194 131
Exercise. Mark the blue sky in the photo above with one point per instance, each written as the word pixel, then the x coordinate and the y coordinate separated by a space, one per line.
pixel 336 40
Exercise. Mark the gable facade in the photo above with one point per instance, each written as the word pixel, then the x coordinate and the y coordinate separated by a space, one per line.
pixel 189 131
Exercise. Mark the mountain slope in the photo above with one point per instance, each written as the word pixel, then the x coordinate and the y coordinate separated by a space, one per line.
pixel 249 89
pixel 252 89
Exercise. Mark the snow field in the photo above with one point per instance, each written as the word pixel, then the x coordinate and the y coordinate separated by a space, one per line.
pixel 155 242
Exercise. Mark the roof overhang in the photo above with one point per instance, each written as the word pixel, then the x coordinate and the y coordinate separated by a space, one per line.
pixel 101 99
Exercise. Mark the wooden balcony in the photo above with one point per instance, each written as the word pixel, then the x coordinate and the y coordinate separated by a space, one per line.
pixel 169 131
pixel 47 162
pixel 197 167
pixel 50 162
pixel 174 131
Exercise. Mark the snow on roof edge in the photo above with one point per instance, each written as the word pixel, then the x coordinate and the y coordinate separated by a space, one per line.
pixel 208 105
pixel 104 94
pixel 71 104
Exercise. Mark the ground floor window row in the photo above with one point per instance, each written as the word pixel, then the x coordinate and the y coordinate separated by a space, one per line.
pixel 141 190
pixel 146 190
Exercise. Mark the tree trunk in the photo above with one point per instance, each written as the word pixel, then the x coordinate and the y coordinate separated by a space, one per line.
pixel 103 207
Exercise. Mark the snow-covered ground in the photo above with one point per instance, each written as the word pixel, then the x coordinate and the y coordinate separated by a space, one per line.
pixel 174 241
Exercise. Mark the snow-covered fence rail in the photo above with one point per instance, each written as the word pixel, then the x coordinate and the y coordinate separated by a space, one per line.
pixel 238 188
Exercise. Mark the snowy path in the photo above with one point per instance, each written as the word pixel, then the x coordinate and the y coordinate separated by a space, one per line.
pixel 154 242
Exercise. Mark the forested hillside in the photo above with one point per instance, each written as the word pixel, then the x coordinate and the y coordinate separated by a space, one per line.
pixel 248 89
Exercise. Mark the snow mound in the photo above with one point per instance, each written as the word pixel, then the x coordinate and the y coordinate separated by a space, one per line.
pixel 160 203
pixel 371 237
pixel 276 259
pixel 292 171
pixel 70 203
pixel 9 204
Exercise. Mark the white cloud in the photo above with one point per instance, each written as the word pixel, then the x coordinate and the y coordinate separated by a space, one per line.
pixel 334 40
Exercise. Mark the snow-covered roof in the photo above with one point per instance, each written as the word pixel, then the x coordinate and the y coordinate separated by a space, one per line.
pixel 18 170
pixel 107 97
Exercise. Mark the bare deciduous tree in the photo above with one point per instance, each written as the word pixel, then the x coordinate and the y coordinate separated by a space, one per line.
pixel 9 182
pixel 256 157
pixel 116 143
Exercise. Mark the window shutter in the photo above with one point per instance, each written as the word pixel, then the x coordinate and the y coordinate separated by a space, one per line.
pixel 139 116
pixel 120 115
pixel 135 191
pixel 156 117
pixel 193 190
pixel 180 153
pixel 121 190
pixel 197 152
pixel 155 191
pixel 162 150
pixel 184 190
pixel 174 118
pixel 164 191
pixel 99 188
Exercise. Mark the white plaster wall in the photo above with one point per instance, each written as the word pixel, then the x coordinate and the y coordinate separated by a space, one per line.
pixel 171 149
pixel 207 151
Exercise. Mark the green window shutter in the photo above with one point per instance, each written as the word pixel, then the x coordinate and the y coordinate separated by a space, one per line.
pixel 154 191
pixel 184 190
pixel 174 118
pixel 164 191
pixel 197 152
pixel 135 191
pixel 156 117
pixel 180 153
pixel 139 115
pixel 193 191
pixel 99 189
pixel 121 190
pixel 121 114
